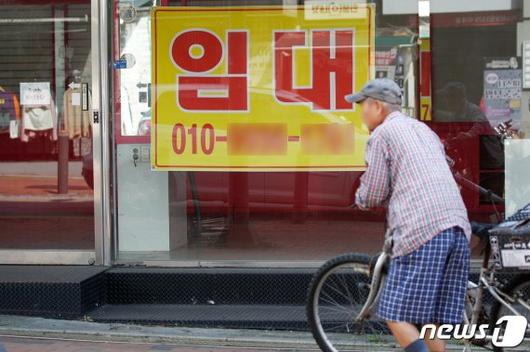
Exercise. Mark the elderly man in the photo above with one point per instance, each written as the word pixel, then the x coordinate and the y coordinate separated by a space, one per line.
pixel 407 172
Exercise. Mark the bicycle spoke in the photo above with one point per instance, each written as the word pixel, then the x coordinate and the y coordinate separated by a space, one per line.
pixel 331 300
pixel 339 298
pixel 342 294
pixel 336 327
pixel 348 291
pixel 334 309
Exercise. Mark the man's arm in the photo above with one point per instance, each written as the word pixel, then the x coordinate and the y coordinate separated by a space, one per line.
pixel 375 182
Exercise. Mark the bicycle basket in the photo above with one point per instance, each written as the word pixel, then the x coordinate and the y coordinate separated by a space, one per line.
pixel 510 245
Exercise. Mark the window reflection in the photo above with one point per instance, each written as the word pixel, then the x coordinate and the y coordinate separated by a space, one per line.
pixel 46 173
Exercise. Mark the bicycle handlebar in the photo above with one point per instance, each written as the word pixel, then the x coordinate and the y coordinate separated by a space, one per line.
pixel 487 192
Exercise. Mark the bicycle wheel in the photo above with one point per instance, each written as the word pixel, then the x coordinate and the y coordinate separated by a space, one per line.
pixel 518 288
pixel 337 293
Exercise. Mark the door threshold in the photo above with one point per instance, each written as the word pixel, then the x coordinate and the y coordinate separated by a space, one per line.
pixel 47 256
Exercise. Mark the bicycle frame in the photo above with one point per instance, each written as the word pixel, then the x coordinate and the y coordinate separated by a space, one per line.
pixel 476 291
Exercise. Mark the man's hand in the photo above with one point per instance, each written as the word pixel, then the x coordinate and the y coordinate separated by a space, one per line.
pixel 356 206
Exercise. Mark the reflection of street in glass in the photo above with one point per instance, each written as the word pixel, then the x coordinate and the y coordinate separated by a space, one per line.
pixel 42 188
pixel 35 216
pixel 469 128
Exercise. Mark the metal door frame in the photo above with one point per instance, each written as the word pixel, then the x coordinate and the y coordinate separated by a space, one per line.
pixel 100 255
pixel 101 117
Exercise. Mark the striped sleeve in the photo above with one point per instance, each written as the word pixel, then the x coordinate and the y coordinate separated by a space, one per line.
pixel 375 182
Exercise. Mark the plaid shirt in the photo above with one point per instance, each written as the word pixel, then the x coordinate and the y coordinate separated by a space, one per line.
pixel 407 171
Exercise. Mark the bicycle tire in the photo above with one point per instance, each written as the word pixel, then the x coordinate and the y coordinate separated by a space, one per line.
pixel 349 258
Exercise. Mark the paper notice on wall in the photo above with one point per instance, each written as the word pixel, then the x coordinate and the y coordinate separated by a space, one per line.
pixel 385 62
pixel 35 93
pixel 503 91
pixel 76 99
pixel 13 129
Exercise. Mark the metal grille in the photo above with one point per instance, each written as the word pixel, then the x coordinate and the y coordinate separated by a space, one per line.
pixel 208 297
pixel 50 291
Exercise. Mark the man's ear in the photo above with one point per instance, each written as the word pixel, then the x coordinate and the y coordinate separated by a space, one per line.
pixel 380 107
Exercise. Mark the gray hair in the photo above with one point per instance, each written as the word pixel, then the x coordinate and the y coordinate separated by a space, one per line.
pixel 392 107
pixel 388 106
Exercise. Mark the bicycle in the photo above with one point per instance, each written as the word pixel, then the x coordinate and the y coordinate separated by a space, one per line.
pixel 355 281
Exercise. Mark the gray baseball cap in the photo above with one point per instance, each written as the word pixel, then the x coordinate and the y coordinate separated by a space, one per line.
pixel 383 89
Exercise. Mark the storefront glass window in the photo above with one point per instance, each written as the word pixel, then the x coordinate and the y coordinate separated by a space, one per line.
pixel 478 101
pixel 46 177
pixel 460 67
pixel 270 213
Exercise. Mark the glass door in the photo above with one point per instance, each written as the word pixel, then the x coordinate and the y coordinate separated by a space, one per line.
pixel 203 214
pixel 46 133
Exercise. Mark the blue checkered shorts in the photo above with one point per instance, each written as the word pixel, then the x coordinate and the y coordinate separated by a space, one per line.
pixel 429 284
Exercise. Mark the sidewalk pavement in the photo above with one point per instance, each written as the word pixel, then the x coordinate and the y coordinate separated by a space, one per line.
pixel 17 344
pixel 19 333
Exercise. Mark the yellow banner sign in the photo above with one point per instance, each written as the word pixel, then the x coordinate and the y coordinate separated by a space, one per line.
pixel 259 88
